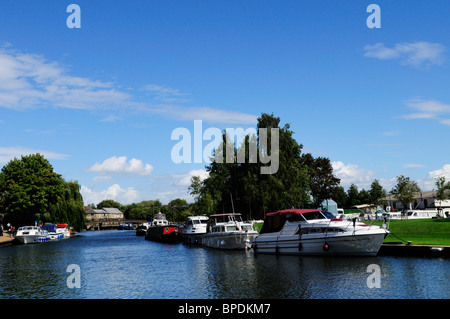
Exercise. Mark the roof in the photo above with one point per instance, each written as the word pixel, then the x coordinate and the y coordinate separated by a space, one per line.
pixel 105 210
pixel 293 211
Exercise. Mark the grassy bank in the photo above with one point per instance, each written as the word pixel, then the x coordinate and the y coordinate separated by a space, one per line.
pixel 420 231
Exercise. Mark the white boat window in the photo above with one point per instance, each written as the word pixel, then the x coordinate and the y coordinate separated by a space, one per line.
pixel 246 227
pixel 231 228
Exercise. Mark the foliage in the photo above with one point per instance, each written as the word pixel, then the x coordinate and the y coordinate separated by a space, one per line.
pixel 375 195
pixel 30 191
pixel 405 190
pixel 240 187
pixel 109 203
pixel 322 182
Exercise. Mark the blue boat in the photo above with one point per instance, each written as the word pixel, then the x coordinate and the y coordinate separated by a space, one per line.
pixel 53 233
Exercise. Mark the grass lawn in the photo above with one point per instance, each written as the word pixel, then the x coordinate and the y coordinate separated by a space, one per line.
pixel 420 231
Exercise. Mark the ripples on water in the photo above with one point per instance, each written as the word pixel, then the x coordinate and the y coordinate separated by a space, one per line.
pixel 119 264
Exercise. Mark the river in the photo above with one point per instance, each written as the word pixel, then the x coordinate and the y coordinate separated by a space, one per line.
pixel 120 265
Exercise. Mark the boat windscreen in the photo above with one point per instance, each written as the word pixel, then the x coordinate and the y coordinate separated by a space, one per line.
pixel 313 215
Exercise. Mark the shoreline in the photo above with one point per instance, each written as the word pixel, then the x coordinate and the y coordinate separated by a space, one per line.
pixel 5 240
pixel 387 249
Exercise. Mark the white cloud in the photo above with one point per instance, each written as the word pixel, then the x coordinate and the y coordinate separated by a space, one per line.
pixel 29 81
pixel 119 165
pixel 352 174
pixel 191 113
pixel 115 192
pixel 428 109
pixel 185 179
pixel 429 182
pixel 417 54
pixel 9 153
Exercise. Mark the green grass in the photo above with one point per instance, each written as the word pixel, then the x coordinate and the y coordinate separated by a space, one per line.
pixel 420 231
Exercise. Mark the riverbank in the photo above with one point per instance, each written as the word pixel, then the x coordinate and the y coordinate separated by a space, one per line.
pixel 6 240
pixel 430 232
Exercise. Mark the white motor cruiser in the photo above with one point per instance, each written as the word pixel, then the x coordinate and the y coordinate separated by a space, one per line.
pixel 312 232
pixel 31 235
pixel 194 229
pixel 228 231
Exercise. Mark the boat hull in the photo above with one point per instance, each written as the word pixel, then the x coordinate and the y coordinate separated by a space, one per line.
pixel 165 234
pixel 347 245
pixel 231 240
pixel 31 239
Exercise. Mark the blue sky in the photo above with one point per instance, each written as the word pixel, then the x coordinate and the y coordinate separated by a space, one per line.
pixel 101 101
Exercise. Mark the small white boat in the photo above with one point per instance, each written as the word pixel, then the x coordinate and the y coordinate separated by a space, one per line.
pixel 31 235
pixel 159 220
pixel 312 232
pixel 64 230
pixel 228 231
pixel 194 228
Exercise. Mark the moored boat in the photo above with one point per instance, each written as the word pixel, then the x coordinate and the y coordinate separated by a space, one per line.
pixel 64 230
pixel 228 231
pixel 142 229
pixel 52 231
pixel 161 231
pixel 194 228
pixel 31 235
pixel 312 232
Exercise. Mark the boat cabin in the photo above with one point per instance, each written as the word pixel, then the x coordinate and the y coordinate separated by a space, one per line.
pixel 274 222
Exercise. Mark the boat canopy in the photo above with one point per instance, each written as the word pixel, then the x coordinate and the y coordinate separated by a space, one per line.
pixel 275 221
pixel 51 228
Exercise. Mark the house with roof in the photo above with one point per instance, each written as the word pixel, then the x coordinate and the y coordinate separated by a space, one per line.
pixel 104 214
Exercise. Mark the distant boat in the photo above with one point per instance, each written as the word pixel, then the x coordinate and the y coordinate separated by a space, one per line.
pixel 31 235
pixel 160 230
pixel 228 231
pixel 126 226
pixel 313 232
pixel 141 230
pixel 194 228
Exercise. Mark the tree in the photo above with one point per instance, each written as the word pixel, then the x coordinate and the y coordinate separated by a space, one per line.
pixel 376 193
pixel 30 191
pixel 442 194
pixel 352 195
pixel 108 203
pixel 322 183
pixel 243 188
pixel 405 190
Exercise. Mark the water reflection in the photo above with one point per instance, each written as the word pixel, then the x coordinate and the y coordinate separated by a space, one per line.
pixel 119 264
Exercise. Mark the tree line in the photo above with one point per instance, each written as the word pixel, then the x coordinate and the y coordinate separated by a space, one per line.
pixel 31 192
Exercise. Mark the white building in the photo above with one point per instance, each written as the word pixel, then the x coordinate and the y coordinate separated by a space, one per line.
pixel 423 200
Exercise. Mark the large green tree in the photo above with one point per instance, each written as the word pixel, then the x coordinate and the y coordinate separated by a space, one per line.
pixel 322 183
pixel 241 186
pixel 30 191
pixel 405 190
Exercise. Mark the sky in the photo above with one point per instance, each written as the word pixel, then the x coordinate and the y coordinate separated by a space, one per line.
pixel 101 100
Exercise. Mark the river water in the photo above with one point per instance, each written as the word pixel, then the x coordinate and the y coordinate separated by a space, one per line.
pixel 118 264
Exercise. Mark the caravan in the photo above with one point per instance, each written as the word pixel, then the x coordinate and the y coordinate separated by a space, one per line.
pixel 416 214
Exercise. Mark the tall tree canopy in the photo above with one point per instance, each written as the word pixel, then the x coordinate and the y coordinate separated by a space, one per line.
pixel 405 190
pixel 322 182
pixel 243 188
pixel 30 191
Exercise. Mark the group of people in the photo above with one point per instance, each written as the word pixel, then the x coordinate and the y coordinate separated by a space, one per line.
pixel 10 227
